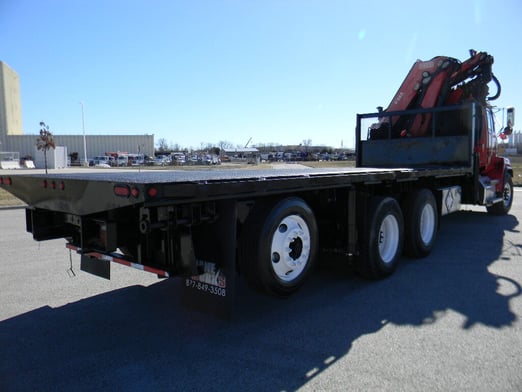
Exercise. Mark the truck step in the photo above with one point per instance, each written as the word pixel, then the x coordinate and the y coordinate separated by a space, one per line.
pixel 494 201
pixel 489 186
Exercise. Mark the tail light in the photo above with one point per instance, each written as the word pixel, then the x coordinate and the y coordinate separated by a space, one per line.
pixel 124 190
pixel 53 185
pixel 6 181
pixel 152 192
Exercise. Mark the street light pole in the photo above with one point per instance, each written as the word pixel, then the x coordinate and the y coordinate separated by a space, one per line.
pixel 85 163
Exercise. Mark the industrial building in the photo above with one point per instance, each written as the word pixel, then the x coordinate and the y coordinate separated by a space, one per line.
pixel 13 140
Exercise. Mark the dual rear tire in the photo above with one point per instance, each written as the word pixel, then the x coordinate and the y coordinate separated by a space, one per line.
pixel 392 228
pixel 279 241
pixel 381 239
pixel 278 246
pixel 421 219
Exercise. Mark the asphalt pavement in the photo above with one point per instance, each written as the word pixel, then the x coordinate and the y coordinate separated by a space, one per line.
pixel 449 322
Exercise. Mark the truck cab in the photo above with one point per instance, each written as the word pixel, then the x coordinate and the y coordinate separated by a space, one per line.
pixel 495 171
pixel 447 100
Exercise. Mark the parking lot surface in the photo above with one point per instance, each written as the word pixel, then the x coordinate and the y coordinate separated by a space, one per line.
pixel 449 322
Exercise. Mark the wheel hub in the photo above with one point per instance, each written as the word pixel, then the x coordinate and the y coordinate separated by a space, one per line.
pixel 507 194
pixel 296 247
pixel 290 248
pixel 427 224
pixel 388 240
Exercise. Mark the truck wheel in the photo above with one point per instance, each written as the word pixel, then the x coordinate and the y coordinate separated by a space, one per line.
pixel 381 242
pixel 278 245
pixel 503 207
pixel 421 221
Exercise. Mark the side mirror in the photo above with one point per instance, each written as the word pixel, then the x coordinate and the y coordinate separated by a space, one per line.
pixel 510 117
pixel 508 130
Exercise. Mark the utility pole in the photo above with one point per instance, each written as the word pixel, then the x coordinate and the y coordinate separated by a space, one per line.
pixel 85 162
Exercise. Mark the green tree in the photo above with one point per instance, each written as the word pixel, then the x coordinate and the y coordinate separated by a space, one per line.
pixel 45 142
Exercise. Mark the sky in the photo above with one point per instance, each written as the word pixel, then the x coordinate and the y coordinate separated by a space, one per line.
pixel 198 72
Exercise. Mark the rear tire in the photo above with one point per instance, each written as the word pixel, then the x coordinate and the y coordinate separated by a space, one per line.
pixel 421 220
pixel 278 246
pixel 382 238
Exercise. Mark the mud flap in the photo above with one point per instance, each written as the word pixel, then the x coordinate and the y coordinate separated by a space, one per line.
pixel 92 265
pixel 213 290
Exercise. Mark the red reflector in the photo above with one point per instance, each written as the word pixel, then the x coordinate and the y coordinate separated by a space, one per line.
pixel 1 181
pixel 44 183
pixel 53 185
pixel 152 192
pixel 122 190
pixel 7 181
pixel 135 192
pixel 62 186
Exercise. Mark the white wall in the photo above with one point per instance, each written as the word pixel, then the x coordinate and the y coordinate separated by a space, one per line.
pixel 56 158
pixel 96 144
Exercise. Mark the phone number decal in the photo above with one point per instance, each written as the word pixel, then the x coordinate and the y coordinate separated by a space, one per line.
pixel 208 288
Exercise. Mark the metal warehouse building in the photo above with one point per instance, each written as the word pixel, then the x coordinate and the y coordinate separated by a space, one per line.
pixel 95 144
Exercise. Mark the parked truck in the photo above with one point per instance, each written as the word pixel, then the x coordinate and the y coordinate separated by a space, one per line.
pixel 431 150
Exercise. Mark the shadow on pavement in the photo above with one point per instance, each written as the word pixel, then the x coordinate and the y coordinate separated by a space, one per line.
pixel 140 338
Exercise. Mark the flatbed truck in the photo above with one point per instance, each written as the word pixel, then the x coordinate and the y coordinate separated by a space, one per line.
pixel 267 227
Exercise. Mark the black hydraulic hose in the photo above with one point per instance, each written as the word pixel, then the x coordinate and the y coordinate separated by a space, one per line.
pixel 492 98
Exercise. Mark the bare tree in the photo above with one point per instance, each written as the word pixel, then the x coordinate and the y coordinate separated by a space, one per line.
pixel 307 143
pixel 225 145
pixel 45 142
pixel 163 146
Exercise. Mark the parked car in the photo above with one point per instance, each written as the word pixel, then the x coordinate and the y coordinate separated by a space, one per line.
pixel 162 160
pixel 136 159
pixel 178 158
pixel 212 159
pixel 122 160
pixel 102 161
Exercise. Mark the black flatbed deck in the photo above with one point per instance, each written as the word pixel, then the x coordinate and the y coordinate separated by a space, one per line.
pixel 226 175
pixel 86 192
